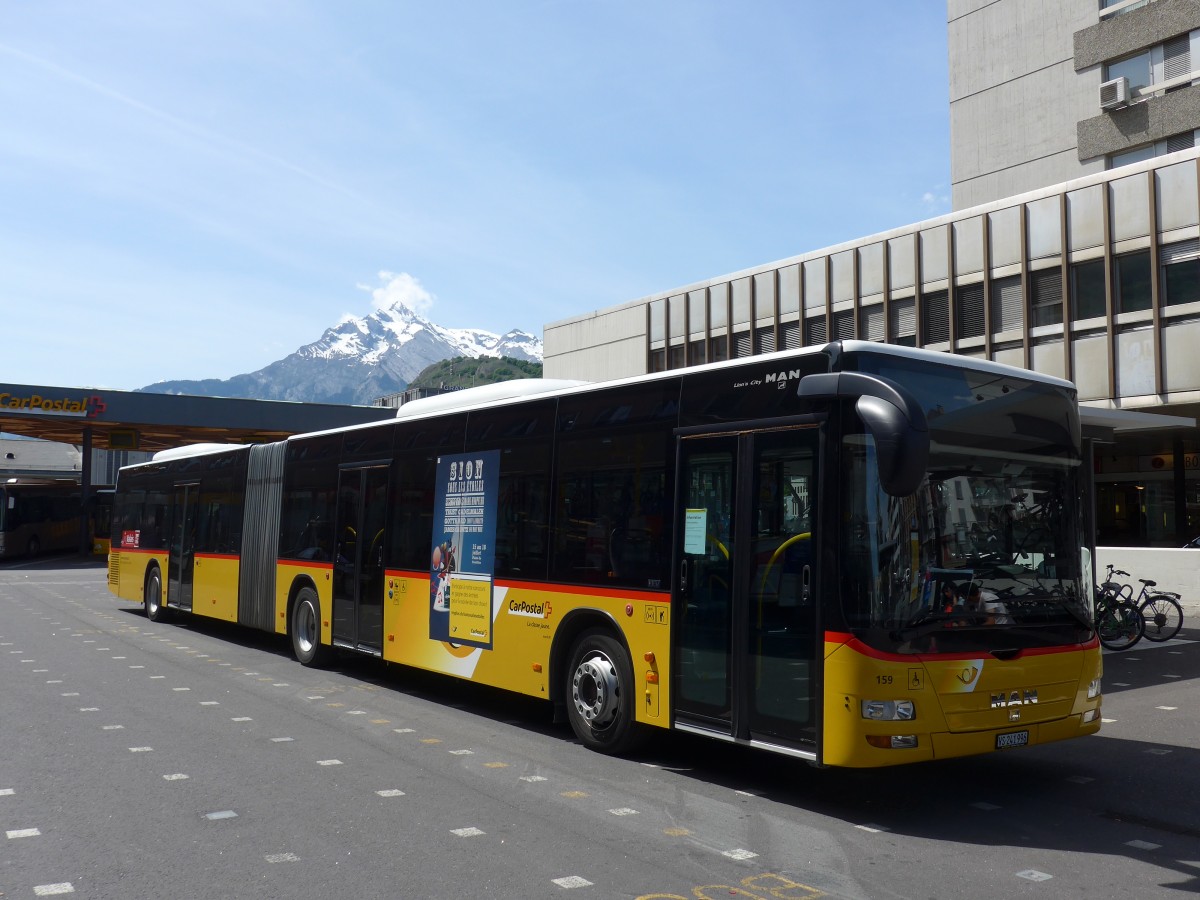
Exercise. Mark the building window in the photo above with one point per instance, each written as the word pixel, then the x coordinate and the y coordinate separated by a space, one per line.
pixel 1180 264
pixel 1129 157
pixel 764 340
pixel 968 306
pixel 1177 60
pixel 903 315
pixel 718 348
pixel 870 323
pixel 1087 290
pixel 742 346
pixel 1132 282
pixel 658 360
pixel 1008 304
pixel 1156 70
pixel 935 317
pixel 1139 69
pixel 843 325
pixel 1045 300
pixel 1108 4
pixel 790 332
pixel 1184 141
pixel 815 331
pixel 696 353
pixel 675 358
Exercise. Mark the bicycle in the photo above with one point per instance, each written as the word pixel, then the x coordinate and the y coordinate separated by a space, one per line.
pixel 1161 611
pixel 1119 623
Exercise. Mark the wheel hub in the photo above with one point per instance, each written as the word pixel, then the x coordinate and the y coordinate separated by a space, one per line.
pixel 594 690
pixel 306 627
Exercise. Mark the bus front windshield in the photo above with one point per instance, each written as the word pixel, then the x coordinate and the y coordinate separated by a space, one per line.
pixel 986 553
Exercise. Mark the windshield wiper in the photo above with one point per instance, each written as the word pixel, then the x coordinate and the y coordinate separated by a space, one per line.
pixel 929 619
pixel 1075 614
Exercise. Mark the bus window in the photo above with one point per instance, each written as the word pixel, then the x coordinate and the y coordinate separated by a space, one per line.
pixel 609 510
pixel 414 472
pixel 309 491
pixel 523 434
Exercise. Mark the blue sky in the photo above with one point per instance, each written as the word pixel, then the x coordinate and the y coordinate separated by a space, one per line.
pixel 193 190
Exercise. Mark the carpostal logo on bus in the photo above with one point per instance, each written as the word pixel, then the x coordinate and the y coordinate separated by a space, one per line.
pixel 529 610
pixel 37 405
pixel 779 379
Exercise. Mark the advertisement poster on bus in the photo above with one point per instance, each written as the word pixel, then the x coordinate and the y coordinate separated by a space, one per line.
pixel 464 548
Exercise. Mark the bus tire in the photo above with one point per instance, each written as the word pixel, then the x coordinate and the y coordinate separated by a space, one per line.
pixel 152 596
pixel 600 694
pixel 306 628
pixel 33 548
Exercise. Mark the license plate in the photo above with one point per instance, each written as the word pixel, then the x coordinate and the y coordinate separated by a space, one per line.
pixel 1012 739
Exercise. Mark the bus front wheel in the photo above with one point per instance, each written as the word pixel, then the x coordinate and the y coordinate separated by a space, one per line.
pixel 152 597
pixel 306 628
pixel 600 688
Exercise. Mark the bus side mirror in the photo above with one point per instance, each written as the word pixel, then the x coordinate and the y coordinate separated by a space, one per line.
pixel 892 418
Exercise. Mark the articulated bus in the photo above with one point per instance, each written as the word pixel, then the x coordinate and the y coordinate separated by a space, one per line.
pixel 38 516
pixel 786 551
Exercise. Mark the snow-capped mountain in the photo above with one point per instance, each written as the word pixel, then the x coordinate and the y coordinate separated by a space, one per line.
pixel 360 359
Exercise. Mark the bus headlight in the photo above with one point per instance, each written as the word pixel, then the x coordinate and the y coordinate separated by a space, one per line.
pixel 1094 689
pixel 888 710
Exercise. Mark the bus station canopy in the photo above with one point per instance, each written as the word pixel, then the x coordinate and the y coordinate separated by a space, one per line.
pixel 131 420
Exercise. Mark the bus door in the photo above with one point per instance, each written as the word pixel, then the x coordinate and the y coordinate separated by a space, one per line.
pixel 358 580
pixel 181 551
pixel 745 645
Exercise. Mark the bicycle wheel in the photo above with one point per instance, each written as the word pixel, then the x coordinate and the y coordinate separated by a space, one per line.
pixel 1119 625
pixel 1163 617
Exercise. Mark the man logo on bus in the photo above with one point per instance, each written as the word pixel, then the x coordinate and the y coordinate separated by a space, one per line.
pixel 781 378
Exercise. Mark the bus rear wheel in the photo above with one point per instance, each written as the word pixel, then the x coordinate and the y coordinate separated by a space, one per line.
pixel 152 597
pixel 306 628
pixel 33 548
pixel 599 687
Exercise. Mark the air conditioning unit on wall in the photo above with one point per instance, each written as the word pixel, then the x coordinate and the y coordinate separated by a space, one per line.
pixel 1114 94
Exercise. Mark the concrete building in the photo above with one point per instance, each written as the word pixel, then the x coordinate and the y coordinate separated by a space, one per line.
pixel 1074 257
pixel 1046 91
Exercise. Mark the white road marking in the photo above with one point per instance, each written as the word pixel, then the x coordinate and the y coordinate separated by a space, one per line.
pixel 571 881
pixel 49 890
pixel 739 854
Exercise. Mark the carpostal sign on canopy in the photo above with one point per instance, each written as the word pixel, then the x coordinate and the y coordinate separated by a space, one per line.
pixel 82 407
pixel 464 548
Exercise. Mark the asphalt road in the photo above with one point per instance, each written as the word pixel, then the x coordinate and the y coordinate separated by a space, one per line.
pixel 189 759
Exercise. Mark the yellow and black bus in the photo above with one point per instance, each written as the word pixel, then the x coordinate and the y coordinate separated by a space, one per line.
pixel 786 551
pixel 39 516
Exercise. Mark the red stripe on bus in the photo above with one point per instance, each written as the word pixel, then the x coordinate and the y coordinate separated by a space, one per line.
pixel 611 593
pixel 218 556
pixel 853 643
pixel 304 563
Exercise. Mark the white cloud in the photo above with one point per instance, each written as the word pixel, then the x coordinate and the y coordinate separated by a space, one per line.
pixel 936 200
pixel 400 288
